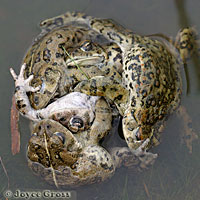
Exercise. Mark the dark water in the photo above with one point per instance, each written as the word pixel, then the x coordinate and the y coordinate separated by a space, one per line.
pixel 176 173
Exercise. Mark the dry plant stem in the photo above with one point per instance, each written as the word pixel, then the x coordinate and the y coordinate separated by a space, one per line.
pixel 53 171
pixel 5 171
pixel 146 190
pixel 15 134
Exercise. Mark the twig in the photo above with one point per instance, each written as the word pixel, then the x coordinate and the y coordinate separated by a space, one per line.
pixel 15 134
pixel 76 64
pixel 5 171
pixel 146 190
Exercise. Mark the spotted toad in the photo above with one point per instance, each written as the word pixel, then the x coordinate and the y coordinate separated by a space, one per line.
pixel 151 85
pixel 64 147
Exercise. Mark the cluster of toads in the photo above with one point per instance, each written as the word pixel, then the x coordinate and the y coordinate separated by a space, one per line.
pixel 75 72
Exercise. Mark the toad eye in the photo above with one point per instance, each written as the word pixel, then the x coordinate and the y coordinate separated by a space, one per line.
pixel 75 124
pixel 61 136
pixel 86 46
pixel 76 121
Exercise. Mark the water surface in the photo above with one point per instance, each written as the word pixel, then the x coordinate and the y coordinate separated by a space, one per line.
pixel 176 173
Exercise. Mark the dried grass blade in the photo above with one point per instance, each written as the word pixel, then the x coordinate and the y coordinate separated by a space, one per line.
pixel 146 190
pixel 76 64
pixel 5 171
pixel 53 171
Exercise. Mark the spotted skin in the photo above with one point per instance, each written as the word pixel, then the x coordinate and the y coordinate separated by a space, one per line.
pixel 65 138
pixel 77 159
pixel 46 60
pixel 150 75
pixel 143 100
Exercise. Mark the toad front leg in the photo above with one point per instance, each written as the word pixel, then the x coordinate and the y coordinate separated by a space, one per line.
pixel 107 87
pixel 22 86
pixel 102 123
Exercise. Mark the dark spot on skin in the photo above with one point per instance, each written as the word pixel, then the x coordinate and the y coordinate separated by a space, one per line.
pixel 59 35
pixel 61 45
pixel 40 155
pixel 136 58
pixel 71 67
pixel 130 67
pixel 59 21
pixel 67 39
pixel 103 88
pixel 55 63
pixel 17 89
pixel 104 166
pixel 133 76
pixel 73 39
pixel 119 97
pixel 131 85
pixel 58 55
pixel 46 55
pixel 39 116
pixel 150 75
pixel 92 158
pixel 118 56
pixel 101 30
pixel 93 87
pixel 114 89
pixel 107 71
pixel 37 58
pixel 109 54
pixel 117 49
pixel 144 93
pixel 133 101
pixel 19 104
pixel 92 22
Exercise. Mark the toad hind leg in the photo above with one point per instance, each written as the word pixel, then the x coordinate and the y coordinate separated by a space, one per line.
pixel 102 123
pixel 110 29
pixel 187 43
pixel 123 156
pixel 132 135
